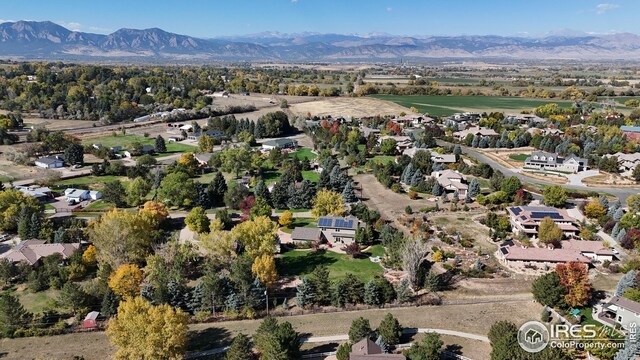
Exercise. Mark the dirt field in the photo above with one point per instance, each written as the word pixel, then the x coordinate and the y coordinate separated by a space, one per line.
pixel 472 318
pixel 606 179
pixel 347 106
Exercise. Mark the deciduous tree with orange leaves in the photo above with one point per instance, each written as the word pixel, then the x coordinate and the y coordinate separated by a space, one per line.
pixel 575 277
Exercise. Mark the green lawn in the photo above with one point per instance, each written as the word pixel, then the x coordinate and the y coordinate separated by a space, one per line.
pixel 519 157
pixel 302 263
pixel 270 176
pixel 292 210
pixel 443 105
pixel 383 159
pixel 127 140
pixel 99 205
pixel 311 176
pixel 91 180
pixel 301 222
pixel 302 152
pixel 37 302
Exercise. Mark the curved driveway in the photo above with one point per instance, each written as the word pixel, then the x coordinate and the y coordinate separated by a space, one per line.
pixel 621 193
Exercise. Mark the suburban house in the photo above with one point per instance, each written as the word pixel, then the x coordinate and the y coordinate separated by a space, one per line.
pixel 366 349
pixel 627 162
pixel 475 131
pixel 339 229
pixel 31 251
pixel 203 158
pixel 594 250
pixel 620 310
pixel 307 234
pixel 518 255
pixel 50 162
pixel 216 134
pixel 461 120
pixel 402 142
pixel 366 131
pixel 545 131
pixel 550 161
pixel 146 149
pixel 409 120
pixel 443 158
pixel 279 144
pixel 79 195
pixel 451 181
pixel 632 132
pixel 526 219
pixel 40 193
pixel 412 132
pixel 525 119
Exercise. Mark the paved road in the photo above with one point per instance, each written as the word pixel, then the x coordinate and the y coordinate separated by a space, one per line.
pixel 621 193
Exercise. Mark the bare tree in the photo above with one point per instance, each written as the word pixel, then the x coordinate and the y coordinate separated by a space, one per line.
pixel 413 252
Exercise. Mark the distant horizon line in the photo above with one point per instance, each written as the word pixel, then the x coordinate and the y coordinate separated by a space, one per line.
pixel 562 32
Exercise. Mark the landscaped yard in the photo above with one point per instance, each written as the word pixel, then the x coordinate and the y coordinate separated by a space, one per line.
pixel 302 263
pixel 300 222
pixel 127 140
pixel 99 205
pixel 383 159
pixel 271 176
pixel 302 152
pixel 518 157
pixel 91 181
pixel 38 301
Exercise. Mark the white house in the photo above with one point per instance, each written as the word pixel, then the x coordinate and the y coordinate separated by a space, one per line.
pixel 95 195
pixel 550 161
pixel 76 195
pixel 50 162
pixel 620 310
pixel 279 144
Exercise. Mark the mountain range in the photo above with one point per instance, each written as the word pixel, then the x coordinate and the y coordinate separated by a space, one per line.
pixel 49 41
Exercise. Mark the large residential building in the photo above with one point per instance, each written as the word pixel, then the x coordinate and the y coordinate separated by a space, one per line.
pixel 339 229
pixel 443 158
pixel 632 132
pixel 279 144
pixel 627 162
pixel 40 193
pixel 526 219
pixel 525 119
pixel 402 142
pixel 32 251
pixel 582 251
pixel 475 131
pixel 550 161
pixel 620 311
pixel 451 181
pixel 50 162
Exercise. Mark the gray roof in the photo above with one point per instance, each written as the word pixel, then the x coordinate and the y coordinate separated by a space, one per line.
pixel 625 303
pixel 306 234
pixel 280 142
pixel 333 222
pixel 49 160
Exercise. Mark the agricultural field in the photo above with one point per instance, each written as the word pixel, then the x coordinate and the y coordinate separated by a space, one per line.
pixel 301 263
pixel 447 105
pixel 347 106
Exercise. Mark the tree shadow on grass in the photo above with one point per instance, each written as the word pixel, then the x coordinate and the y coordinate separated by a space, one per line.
pixel 290 266
pixel 321 348
pixel 208 338
pixel 454 349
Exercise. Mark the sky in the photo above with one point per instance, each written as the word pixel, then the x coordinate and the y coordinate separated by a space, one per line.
pixel 213 18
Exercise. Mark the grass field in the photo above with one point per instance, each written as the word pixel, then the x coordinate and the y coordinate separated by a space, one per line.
pixel 99 205
pixel 447 105
pixel 518 157
pixel 302 152
pixel 271 176
pixel 302 263
pixel 383 159
pixel 300 222
pixel 91 181
pixel 127 140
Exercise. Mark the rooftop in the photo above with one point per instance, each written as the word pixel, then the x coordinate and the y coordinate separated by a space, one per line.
pixel 349 222
pixel 624 303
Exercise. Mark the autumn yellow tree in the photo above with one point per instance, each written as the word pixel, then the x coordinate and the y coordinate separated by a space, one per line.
pixel 258 236
pixel 157 209
pixel 90 256
pixel 594 209
pixel 286 219
pixel 218 245
pixel 144 331
pixel 126 280
pixel 575 277
pixel 189 163
pixel 549 232
pixel 264 268
pixel 328 202
pixel 205 144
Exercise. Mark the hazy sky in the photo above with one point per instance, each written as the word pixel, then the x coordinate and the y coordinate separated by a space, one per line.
pixel 212 18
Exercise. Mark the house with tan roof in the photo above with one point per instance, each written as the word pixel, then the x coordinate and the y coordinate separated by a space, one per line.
pixel 475 131
pixel 32 251
pixel 626 162
pixel 366 349
pixel 451 181
pixel 402 142
pixel 526 219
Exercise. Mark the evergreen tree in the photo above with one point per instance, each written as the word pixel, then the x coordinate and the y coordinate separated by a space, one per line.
pixel 372 294
pixel 474 187
pixel 383 346
pixel 360 329
pixel 177 295
pixel 196 299
pixel 305 293
pixel 217 189
pixel 320 280
pixel 256 299
pixel 259 131
pixel 161 146
pixel 74 154
pixel 618 214
pixel 232 302
pixel 240 349
pixel 604 202
pixel 627 281
pixel 475 142
pixel 325 179
pixel 437 189
pixel 407 174
pixel 621 235
pixel 615 231
pixel 110 303
pixel 456 196
pixel 261 190
pixel 348 194
pixel 12 315
pixel 390 330
pixel 280 195
pixel 24 223
pixel 415 179
pixel 403 292
pixel 468 199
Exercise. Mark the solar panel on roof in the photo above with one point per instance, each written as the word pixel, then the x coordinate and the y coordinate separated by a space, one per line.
pixel 542 215
pixel 516 210
pixel 349 224
pixel 323 222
